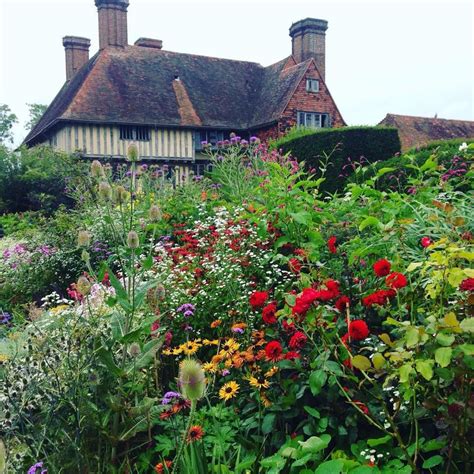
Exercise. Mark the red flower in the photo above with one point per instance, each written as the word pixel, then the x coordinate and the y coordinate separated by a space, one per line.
pixel 333 287
pixel 425 242
pixel 381 267
pixel 332 244
pixel 362 406
pixel 160 467
pixel 379 297
pixel 295 265
pixel 268 313
pixel 342 303
pixel 358 330
pixel 345 340
pixel 298 340
pixel 195 433
pixel 396 280
pixel 289 327
pixel 292 355
pixel 467 285
pixel 273 351
pixel 258 299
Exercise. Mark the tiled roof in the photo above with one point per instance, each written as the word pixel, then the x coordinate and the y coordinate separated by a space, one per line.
pixel 136 85
pixel 417 131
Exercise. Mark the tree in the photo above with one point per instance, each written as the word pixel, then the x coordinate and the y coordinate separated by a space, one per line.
pixel 7 120
pixel 36 111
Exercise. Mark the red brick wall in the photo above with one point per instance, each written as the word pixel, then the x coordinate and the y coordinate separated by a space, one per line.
pixel 310 102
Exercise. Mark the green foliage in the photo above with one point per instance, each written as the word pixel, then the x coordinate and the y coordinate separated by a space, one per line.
pixel 35 111
pixel 7 121
pixel 347 146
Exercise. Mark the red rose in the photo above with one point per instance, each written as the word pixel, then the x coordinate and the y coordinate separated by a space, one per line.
pixel 358 330
pixel 467 285
pixel 258 299
pixel 381 267
pixel 298 340
pixel 268 313
pixel 379 297
pixel 273 351
pixel 289 327
pixel 396 280
pixel 333 287
pixel 332 244
pixel 342 303
pixel 295 265
pixel 425 242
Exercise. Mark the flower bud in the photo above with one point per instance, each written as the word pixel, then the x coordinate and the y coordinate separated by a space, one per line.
pixel 155 213
pixel 97 171
pixel 83 285
pixel 132 240
pixel 83 238
pixel 132 153
pixel 192 381
pixel 134 349
pixel 105 191
pixel 120 194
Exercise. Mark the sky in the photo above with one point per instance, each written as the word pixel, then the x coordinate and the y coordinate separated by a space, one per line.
pixel 412 57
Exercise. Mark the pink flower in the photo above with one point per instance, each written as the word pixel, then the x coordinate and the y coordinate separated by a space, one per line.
pixel 425 242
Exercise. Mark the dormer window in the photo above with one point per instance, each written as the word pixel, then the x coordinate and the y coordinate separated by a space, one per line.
pixel 141 134
pixel 312 85
pixel 313 120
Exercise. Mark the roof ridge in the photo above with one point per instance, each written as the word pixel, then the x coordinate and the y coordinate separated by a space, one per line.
pixel 428 118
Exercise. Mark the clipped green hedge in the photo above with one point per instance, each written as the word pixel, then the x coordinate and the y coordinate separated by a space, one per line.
pixel 340 144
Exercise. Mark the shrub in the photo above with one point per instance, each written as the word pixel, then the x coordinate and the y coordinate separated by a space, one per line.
pixel 346 147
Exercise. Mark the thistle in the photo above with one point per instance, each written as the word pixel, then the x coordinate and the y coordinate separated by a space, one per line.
pixel 191 380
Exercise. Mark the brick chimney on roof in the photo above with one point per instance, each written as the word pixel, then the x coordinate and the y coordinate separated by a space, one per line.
pixel 77 54
pixel 112 23
pixel 308 38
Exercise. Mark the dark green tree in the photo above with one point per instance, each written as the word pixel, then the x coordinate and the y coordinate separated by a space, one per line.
pixel 36 111
pixel 7 120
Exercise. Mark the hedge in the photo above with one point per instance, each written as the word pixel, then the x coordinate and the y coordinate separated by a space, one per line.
pixel 341 145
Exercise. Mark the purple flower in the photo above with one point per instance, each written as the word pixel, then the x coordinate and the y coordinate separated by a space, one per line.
pixel 254 139
pixel 188 314
pixel 5 318
pixel 38 465
pixel 238 330
pixel 169 396
pixel 225 372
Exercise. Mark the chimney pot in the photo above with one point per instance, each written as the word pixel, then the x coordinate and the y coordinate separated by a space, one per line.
pixel 113 30
pixel 308 38
pixel 149 43
pixel 77 54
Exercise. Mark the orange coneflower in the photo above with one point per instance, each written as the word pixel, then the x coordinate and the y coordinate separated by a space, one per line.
pixel 195 433
pixel 216 323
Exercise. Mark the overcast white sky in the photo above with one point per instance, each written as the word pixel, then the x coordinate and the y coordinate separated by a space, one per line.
pixel 407 57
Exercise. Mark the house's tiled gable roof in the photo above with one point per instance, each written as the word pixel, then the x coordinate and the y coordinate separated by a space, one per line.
pixel 417 131
pixel 135 85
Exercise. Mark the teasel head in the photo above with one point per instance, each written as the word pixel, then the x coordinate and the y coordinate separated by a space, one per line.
pixel 134 349
pixel 191 380
pixel 83 238
pixel 83 285
pixel 133 241
pixel 132 153
pixel 105 191
pixel 120 194
pixel 97 170
pixel 155 213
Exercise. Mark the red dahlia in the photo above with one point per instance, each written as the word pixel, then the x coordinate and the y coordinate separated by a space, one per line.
pixel 396 280
pixel 342 303
pixel 358 330
pixel 258 299
pixel 332 244
pixel 298 340
pixel 273 351
pixel 268 313
pixel 381 267
pixel 292 355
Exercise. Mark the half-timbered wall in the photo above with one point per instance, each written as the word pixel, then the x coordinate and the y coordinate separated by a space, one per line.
pixel 96 140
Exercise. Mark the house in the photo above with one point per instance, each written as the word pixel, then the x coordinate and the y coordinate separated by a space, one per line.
pixel 169 103
pixel 418 131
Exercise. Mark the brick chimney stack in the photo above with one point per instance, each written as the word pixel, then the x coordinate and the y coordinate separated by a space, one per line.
pixel 77 54
pixel 308 38
pixel 112 23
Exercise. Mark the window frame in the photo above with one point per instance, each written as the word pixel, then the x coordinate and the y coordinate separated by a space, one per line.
pixel 310 81
pixel 138 133
pixel 313 119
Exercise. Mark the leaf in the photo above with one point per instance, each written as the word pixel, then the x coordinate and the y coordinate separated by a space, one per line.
pixel 107 358
pixel 444 339
pixel 302 217
pixel 117 286
pixel 334 466
pixel 443 356
pixel 412 336
pixel 378 360
pixel 382 171
pixel 378 441
pixel 315 444
pixel 452 322
pixel 369 222
pixel 147 263
pixel 432 462
pixel 361 362
pixel 468 349
pixel 425 368
pixel 268 423
pixel 433 445
pixel 414 266
pixel 405 371
pixel 312 411
pixel 317 379
pixel 467 325
pixel 3 457
pixel 148 352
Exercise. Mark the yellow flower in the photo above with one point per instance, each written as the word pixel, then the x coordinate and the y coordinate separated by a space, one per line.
pixel 59 309
pixel 167 352
pixel 177 350
pixel 229 347
pixel 229 390
pixel 271 372
pixel 264 399
pixel 208 342
pixel 259 382
pixel 3 358
pixel 190 347
pixel 210 367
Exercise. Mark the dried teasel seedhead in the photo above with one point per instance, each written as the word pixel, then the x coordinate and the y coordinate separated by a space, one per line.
pixel 97 170
pixel 133 240
pixel 105 191
pixel 83 238
pixel 191 379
